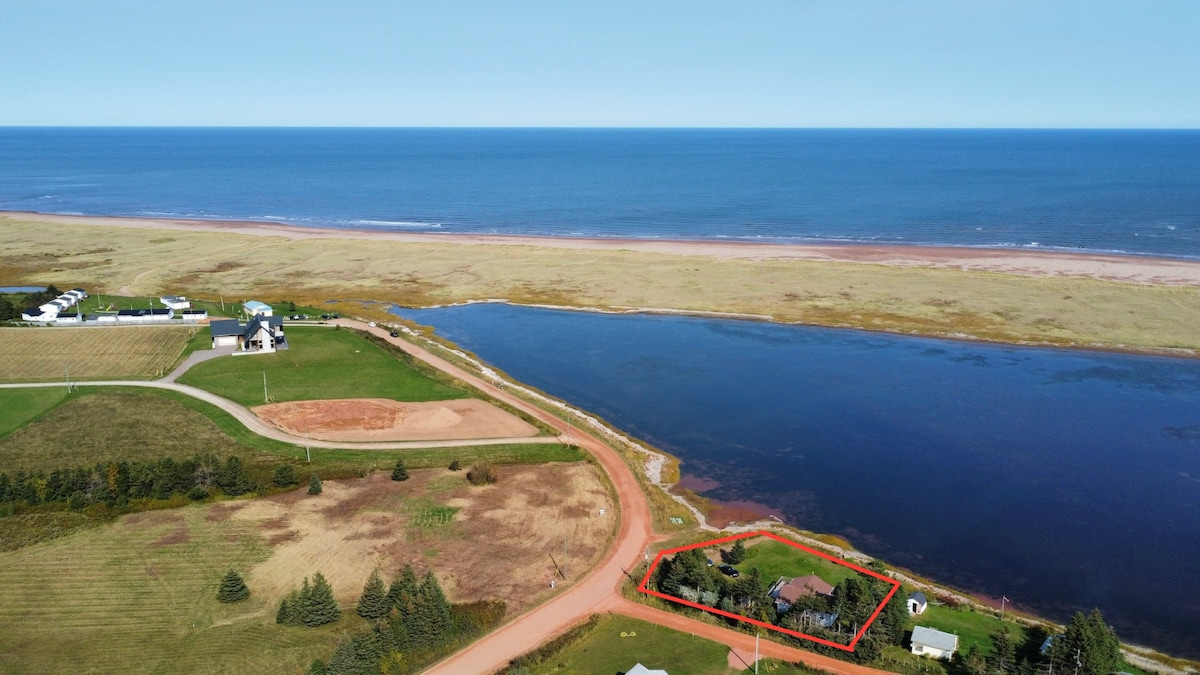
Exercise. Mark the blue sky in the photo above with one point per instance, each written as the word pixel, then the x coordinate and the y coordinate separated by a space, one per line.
pixel 793 63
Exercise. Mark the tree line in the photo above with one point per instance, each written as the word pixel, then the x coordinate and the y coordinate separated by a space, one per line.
pixel 412 623
pixel 117 483
pixel 11 312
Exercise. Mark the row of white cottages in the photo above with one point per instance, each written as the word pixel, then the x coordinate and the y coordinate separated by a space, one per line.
pixel 51 310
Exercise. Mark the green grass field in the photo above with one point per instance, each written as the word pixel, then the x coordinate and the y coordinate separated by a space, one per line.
pixel 775 559
pixel 19 406
pixel 619 642
pixel 972 628
pixel 138 599
pixel 321 363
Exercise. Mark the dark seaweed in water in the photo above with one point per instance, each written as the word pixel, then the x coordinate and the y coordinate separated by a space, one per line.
pixel 1050 476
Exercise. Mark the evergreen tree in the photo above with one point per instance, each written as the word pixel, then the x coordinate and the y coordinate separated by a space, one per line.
pixel 289 610
pixel 1003 658
pixel 374 603
pixel 736 554
pixel 317 667
pixel 285 476
pixel 403 591
pixel 233 588
pixel 232 479
pixel 1091 641
pixel 400 472
pixel 430 618
pixel 314 485
pixel 319 608
pixel 7 311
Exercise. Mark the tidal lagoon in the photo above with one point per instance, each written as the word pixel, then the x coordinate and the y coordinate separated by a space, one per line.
pixel 1063 479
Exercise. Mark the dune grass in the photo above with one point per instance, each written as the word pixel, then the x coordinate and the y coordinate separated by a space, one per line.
pixel 320 363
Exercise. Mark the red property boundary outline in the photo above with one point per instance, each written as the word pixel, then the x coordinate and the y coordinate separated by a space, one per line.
pixel 643 587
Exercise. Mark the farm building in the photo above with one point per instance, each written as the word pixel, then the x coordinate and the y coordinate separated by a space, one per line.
pixel 928 641
pixel 194 314
pixel 69 317
pixel 787 591
pixel 144 315
pixel 175 302
pixel 917 603
pixel 261 335
pixel 37 314
pixel 253 308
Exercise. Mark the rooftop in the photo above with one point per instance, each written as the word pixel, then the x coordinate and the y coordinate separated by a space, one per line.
pixel 932 637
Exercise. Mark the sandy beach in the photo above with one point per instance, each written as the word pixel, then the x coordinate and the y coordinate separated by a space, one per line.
pixel 1027 262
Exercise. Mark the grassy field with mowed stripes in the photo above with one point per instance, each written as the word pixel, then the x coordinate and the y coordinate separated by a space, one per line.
pixel 111 352
pixel 140 597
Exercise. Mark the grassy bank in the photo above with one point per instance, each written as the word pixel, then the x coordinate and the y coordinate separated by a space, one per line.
pixel 945 302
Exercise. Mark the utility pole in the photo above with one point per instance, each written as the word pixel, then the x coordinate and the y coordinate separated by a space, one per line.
pixel 67 370
pixel 266 398
pixel 756 650
pixel 568 426
pixel 1077 663
pixel 1003 599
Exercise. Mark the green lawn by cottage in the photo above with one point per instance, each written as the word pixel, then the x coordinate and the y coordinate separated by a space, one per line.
pixel 320 363
pixel 618 642
pixel 972 628
pixel 775 559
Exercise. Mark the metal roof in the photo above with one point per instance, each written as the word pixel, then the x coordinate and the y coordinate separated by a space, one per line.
pixel 932 637
pixel 223 327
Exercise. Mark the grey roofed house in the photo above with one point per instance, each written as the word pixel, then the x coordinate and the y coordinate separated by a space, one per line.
pixel 639 669
pixel 223 327
pixel 917 603
pixel 933 642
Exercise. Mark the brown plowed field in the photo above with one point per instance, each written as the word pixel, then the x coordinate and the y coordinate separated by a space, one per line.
pixel 379 419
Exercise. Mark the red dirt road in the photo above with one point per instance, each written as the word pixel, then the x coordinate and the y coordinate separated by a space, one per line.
pixel 599 591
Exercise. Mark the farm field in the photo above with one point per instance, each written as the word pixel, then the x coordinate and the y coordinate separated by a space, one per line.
pixel 618 642
pixel 320 363
pixel 775 560
pixel 18 406
pixel 127 352
pixel 139 595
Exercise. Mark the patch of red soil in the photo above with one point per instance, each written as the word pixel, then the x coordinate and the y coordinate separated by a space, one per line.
pixel 379 419
pixel 722 514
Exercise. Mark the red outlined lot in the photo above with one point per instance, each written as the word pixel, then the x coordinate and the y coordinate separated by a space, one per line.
pixel 644 587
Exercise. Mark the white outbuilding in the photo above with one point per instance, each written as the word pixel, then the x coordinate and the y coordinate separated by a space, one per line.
pixel 932 642
pixel 253 308
pixel 175 302
pixel 917 603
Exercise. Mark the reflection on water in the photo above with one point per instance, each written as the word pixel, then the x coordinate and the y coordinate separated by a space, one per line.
pixel 1061 479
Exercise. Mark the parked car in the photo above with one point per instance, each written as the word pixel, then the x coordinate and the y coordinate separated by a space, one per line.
pixel 371 324
pixel 710 562
pixel 394 334
pixel 729 571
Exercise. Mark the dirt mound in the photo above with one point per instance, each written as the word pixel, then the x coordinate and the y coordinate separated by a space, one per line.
pixel 378 419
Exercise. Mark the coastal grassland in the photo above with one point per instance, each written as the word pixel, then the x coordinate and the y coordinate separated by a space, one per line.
pixel 940 302
pixel 139 594
pixel 320 363
pixel 618 642
pixel 111 352
pixel 972 628
pixel 775 559
pixel 19 406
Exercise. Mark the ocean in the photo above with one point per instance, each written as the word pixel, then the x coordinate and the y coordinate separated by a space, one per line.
pixel 1134 192
pixel 1064 480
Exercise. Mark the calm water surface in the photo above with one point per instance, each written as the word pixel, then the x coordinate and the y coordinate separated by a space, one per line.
pixel 1061 479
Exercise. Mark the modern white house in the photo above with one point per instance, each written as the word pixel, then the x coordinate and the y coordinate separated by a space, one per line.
pixel 261 335
pixel 928 641
pixel 917 603
pixel 175 302
pixel 253 308
pixel 144 315
pixel 38 314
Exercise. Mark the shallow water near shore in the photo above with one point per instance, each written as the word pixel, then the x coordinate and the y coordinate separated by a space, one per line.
pixel 1064 480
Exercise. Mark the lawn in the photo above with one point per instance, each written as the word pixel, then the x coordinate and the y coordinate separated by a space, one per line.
pixel 18 406
pixel 618 642
pixel 972 628
pixel 321 363
pixel 111 352
pixel 775 559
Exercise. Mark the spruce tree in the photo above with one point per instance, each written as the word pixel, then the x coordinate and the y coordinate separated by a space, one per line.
pixel 285 476
pixel 431 620
pixel 400 472
pixel 314 485
pixel 736 554
pixel 374 603
pixel 320 607
pixel 403 591
pixel 233 588
pixel 289 607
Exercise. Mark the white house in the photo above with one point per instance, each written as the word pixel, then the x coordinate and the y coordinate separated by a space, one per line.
pixel 194 314
pixel 144 315
pixel 68 317
pixel 175 302
pixel 253 308
pixel 917 603
pixel 38 314
pixel 932 642
pixel 639 669
pixel 261 335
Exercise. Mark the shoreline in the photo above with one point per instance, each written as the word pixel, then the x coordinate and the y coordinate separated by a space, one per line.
pixel 1132 268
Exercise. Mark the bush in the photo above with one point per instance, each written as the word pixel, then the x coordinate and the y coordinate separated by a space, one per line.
pixel 400 472
pixel 481 474
pixel 456 465
pixel 314 485
pixel 285 476
pixel 197 494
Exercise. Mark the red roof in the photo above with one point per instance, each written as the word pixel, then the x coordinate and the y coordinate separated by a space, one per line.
pixel 801 586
